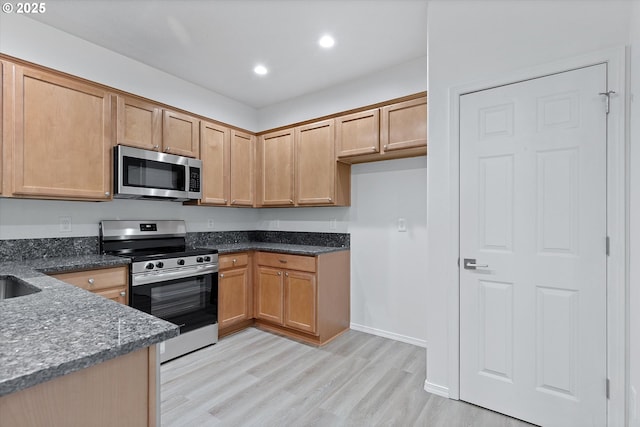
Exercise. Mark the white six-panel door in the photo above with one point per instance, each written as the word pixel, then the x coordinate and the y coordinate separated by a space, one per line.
pixel 533 210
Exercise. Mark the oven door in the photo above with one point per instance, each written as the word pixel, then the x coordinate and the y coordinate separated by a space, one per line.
pixel 190 302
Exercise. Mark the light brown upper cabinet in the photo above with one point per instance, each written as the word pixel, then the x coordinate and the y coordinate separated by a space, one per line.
pixel 404 125
pixel 61 130
pixel 358 133
pixel 243 146
pixel 227 159
pixel 215 154
pixel 146 125
pixel 2 90
pixel 180 134
pixel 276 168
pixel 320 179
pixel 392 131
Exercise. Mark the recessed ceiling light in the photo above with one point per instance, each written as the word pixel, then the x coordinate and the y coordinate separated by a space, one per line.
pixel 326 41
pixel 260 70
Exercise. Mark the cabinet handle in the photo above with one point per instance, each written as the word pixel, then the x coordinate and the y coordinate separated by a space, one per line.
pixel 91 281
pixel 284 261
pixel 221 275
pixel 279 273
pixel 286 274
pixel 107 194
pixel 123 293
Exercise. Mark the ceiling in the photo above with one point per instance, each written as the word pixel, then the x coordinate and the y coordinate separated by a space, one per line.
pixel 216 44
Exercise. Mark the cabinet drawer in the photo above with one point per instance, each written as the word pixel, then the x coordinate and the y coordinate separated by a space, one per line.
pixel 233 260
pixel 290 262
pixel 93 280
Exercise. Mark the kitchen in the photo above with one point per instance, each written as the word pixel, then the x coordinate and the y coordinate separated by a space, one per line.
pixel 398 309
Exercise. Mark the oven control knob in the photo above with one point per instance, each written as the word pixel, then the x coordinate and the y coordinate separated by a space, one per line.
pixel 180 262
pixel 199 259
pixel 149 266
pixel 207 258
pixel 159 264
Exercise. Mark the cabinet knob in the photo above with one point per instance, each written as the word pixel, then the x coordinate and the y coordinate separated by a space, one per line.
pixel 221 275
pixel 235 260
pixel 155 147
pixel 166 150
pixel 91 281
pixel 373 148
pixel 123 293
pixel 233 201
pixel 225 200
pixel 107 194
pixel 279 273
pixel 331 200
pixel 290 201
pixel 286 274
pixel 384 146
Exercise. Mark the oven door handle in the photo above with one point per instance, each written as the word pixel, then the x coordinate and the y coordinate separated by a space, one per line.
pixel 147 278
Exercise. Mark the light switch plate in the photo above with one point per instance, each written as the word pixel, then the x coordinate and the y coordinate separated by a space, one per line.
pixel 402 224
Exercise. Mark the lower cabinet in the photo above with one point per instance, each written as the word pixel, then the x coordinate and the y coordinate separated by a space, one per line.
pixel 112 283
pixel 304 297
pixel 234 293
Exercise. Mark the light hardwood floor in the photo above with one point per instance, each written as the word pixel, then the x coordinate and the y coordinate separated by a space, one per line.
pixel 255 378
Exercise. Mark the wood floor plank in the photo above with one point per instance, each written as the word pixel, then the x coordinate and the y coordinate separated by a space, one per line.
pixel 255 378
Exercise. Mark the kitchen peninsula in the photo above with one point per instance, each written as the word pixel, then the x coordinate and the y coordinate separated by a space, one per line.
pixel 64 351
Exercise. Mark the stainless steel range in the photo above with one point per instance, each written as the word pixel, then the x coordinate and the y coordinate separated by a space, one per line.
pixel 168 280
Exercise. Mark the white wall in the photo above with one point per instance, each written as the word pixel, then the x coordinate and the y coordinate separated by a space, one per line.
pixel 23 219
pixel 471 41
pixel 400 80
pixel 634 233
pixel 388 274
pixel 33 41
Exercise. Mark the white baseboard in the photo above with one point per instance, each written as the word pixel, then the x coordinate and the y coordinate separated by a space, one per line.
pixel 390 335
pixel 436 389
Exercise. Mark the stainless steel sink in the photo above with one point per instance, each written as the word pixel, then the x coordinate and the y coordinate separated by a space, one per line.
pixel 11 287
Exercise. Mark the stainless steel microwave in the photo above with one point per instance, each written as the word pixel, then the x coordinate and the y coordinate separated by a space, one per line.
pixel 146 174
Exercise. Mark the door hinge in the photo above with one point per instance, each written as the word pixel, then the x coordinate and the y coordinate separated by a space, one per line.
pixel 608 100
pixel 608 246
pixel 608 388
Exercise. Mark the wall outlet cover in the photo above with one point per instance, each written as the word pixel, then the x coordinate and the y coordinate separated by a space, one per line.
pixel 65 224
pixel 211 223
pixel 402 224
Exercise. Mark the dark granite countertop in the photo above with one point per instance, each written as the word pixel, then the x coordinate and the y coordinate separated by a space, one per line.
pixel 62 328
pixel 274 247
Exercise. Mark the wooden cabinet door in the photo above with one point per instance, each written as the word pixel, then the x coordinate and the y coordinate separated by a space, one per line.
pixel 180 134
pixel 276 168
pixel 358 133
pixel 241 169
pixel 62 137
pixel 316 164
pixel 215 156
pixel 4 86
pixel 300 301
pixel 269 292
pixel 233 297
pixel 404 125
pixel 139 123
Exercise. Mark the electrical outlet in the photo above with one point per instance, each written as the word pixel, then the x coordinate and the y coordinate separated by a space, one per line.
pixel 210 223
pixel 65 224
pixel 402 224
pixel 333 224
